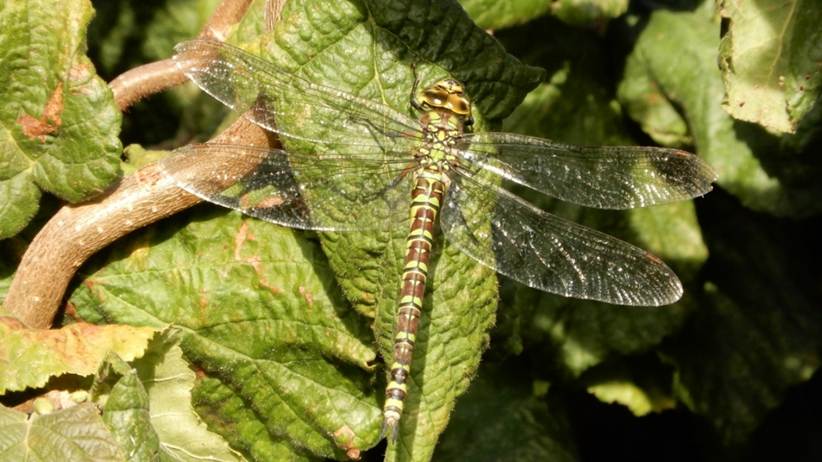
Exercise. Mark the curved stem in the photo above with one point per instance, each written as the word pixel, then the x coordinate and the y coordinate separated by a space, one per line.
pixel 142 81
pixel 76 232
pixel 148 79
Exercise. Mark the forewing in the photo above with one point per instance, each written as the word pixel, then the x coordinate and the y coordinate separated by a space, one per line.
pixel 608 177
pixel 331 192
pixel 549 253
pixel 263 92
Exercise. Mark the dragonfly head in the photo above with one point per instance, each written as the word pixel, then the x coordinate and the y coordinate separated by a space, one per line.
pixel 449 95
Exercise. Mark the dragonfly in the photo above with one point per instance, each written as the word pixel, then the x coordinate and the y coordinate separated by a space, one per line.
pixel 369 166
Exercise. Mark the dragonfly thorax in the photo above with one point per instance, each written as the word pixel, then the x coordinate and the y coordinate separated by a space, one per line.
pixel 442 131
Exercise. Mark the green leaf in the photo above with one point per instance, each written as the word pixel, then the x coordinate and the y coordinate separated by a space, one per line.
pixel 558 110
pixel 226 413
pixel 501 418
pixel 582 333
pixel 126 413
pixel 748 161
pixel 586 333
pixel 29 357
pixel 168 381
pixel 576 103
pixel 640 383
pixel 491 14
pixel 769 56
pixel 370 52
pixel 148 407
pixel 259 311
pixel 585 12
pixel 174 22
pixel 58 123
pixel 756 332
pixel 76 433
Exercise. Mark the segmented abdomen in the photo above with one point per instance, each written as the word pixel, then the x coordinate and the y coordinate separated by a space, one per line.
pixel 426 198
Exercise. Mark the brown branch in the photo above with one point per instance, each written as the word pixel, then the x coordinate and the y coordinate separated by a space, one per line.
pixel 148 79
pixel 135 84
pixel 76 232
pixel 226 15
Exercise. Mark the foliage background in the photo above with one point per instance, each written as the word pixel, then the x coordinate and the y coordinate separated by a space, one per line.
pixel 286 348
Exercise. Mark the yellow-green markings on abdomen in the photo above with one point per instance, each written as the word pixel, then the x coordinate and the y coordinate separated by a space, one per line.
pixel 446 113
pixel 426 199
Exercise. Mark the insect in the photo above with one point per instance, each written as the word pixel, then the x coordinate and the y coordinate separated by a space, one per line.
pixel 366 162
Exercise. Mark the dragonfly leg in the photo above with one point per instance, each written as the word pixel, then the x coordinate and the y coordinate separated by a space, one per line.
pixel 415 103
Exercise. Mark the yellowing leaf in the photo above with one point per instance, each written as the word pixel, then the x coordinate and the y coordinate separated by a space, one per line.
pixel 29 357
pixel 770 58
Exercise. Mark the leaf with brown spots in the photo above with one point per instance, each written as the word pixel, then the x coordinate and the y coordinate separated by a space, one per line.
pixel 59 125
pixel 49 122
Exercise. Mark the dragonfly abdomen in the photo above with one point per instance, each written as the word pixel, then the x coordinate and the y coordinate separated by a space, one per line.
pixel 426 198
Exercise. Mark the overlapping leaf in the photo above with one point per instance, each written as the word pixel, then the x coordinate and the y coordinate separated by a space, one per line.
pixel 490 14
pixel 754 336
pixel 750 163
pixel 770 58
pixel 58 122
pixel 76 433
pixel 259 312
pixel 502 418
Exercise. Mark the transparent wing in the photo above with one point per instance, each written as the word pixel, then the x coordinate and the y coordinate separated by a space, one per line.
pixel 319 192
pixel 609 177
pixel 263 92
pixel 549 253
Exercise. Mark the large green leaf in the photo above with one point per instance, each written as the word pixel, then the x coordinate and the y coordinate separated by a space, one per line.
pixel 490 14
pixel 770 58
pixel 169 380
pixel 58 121
pixel 588 12
pixel 174 22
pixel 259 312
pixel 659 84
pixel 370 52
pixel 227 413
